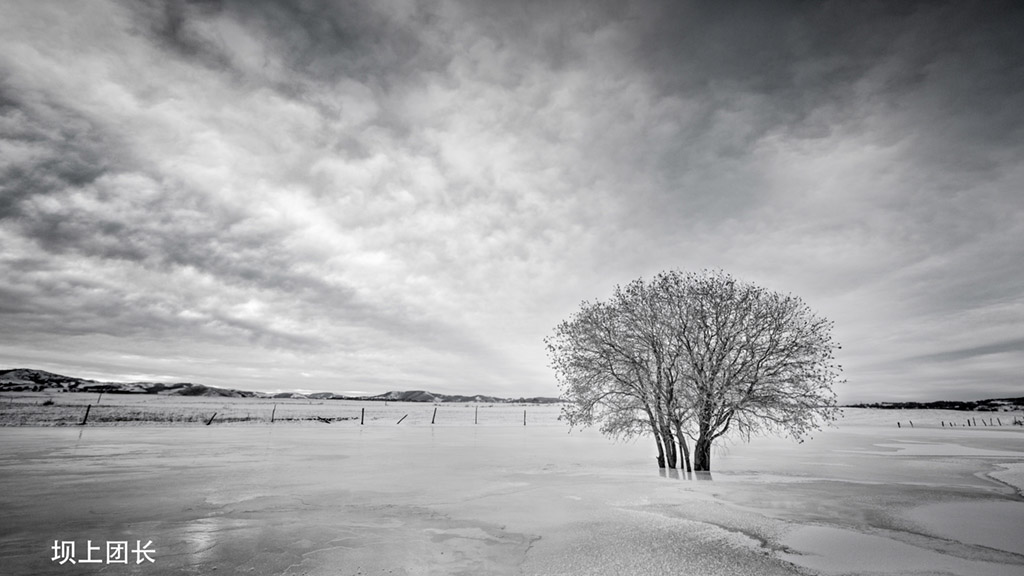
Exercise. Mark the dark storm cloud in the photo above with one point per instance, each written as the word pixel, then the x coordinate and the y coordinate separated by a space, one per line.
pixel 947 76
pixel 169 21
pixel 808 54
pixel 57 147
pixel 315 42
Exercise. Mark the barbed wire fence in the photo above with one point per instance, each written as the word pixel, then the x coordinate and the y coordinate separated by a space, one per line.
pixel 70 409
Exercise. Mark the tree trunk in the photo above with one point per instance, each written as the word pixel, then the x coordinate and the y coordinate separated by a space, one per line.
pixel 670 447
pixel 685 450
pixel 702 455
pixel 661 450
pixel 657 439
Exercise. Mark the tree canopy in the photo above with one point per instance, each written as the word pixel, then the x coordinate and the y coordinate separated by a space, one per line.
pixel 695 356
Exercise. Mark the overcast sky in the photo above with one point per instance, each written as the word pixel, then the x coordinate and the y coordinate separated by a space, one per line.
pixel 390 195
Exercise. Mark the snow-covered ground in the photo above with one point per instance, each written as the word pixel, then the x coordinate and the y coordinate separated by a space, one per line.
pixel 867 497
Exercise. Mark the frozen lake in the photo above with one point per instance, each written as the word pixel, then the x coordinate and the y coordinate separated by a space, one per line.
pixel 311 499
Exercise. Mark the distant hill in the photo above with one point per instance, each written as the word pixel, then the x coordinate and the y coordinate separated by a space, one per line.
pixel 27 379
pixel 989 405
pixel 422 396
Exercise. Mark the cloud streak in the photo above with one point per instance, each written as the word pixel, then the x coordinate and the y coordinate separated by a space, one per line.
pixel 411 195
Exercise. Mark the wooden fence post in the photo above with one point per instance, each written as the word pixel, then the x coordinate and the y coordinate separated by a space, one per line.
pixel 362 416
pixel 272 413
pixel 400 419
pixel 87 408
pixel 434 417
pixel 210 421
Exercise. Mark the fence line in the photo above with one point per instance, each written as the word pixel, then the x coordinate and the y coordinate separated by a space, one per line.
pixel 67 409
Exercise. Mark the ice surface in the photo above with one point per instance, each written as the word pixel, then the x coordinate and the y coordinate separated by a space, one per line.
pixel 1012 474
pixel 833 551
pixel 866 497
pixel 983 523
pixel 917 448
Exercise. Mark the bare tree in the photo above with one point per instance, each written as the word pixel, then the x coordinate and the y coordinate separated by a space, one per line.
pixel 607 372
pixel 617 365
pixel 698 356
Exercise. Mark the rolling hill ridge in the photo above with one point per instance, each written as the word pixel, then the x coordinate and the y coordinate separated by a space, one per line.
pixel 28 379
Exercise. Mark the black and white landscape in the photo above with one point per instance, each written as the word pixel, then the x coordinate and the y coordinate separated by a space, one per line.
pixel 302 287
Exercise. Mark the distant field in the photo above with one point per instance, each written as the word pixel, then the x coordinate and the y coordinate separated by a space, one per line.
pixel 68 409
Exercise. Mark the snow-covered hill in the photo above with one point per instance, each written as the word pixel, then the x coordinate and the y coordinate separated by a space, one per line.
pixel 27 379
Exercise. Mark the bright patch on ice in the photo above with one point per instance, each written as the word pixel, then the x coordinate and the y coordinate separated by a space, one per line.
pixel 837 551
pixel 1012 474
pixel 971 522
pixel 904 448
